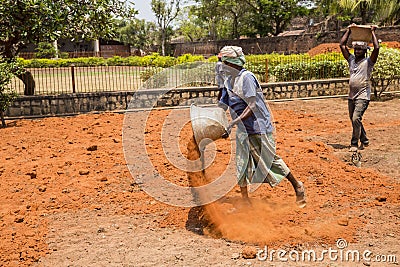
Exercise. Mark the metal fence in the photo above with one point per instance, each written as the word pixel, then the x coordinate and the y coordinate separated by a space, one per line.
pixel 77 79
pixel 83 79
pixel 280 68
pixel 78 54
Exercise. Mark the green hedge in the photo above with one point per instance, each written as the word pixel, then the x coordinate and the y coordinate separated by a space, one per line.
pixel 280 67
pixel 154 60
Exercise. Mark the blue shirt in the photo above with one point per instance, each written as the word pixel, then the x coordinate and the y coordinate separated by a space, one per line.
pixel 245 86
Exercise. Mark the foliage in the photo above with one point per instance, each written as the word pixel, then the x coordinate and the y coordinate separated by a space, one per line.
pixel 188 58
pixel 311 70
pixel 151 72
pixel 386 69
pixel 31 21
pixel 7 95
pixel 192 27
pixel 165 13
pixel 138 33
pixel 54 63
pixel 297 66
pixel 373 11
pixel 46 50
pixel 25 22
pixel 272 17
pixel 187 74
pixel 360 11
pixel 153 59
pixel 210 13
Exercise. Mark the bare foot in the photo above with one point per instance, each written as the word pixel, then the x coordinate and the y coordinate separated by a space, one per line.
pixel 301 195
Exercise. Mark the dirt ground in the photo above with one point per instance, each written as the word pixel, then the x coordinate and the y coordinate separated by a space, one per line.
pixel 68 198
pixel 334 47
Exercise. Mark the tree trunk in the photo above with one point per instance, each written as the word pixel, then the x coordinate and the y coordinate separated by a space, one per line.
pixel 10 52
pixel 163 42
pixel 213 32
pixel 3 121
pixel 363 9
pixel 29 83
pixel 235 32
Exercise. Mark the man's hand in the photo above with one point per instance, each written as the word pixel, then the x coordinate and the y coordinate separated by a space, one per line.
pixel 227 131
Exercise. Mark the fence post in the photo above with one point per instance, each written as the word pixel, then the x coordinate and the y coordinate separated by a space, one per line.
pixel 73 77
pixel 266 70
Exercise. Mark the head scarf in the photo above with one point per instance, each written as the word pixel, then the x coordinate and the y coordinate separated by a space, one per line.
pixel 360 45
pixel 233 54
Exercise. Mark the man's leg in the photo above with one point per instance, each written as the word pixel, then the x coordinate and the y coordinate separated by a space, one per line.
pixel 358 128
pixel 355 134
pixel 363 137
pixel 299 189
pixel 244 192
pixel 273 167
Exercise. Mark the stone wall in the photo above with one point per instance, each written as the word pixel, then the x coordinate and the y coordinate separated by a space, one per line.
pixel 279 44
pixel 51 105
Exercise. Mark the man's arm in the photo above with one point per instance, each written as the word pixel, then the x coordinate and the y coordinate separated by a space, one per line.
pixel 375 52
pixel 343 42
pixel 247 112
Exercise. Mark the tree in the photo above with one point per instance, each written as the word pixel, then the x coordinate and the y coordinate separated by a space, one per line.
pixel 224 18
pixel 363 8
pixel 136 32
pixel 7 95
pixel 190 25
pixel 165 14
pixel 235 11
pixel 385 12
pixel 25 22
pixel 272 17
pixel 46 50
pixel 209 12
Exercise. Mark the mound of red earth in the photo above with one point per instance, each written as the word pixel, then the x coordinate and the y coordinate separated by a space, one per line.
pixel 334 47
pixel 324 48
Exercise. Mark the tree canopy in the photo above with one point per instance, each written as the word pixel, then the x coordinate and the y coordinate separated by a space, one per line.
pixel 137 32
pixel 31 21
pixel 165 12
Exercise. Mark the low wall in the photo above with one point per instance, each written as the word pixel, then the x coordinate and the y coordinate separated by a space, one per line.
pixel 51 105
pixel 279 44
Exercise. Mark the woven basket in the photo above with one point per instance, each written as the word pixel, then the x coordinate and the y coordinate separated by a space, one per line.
pixel 361 33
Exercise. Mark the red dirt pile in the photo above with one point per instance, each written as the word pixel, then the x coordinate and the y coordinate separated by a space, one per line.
pixel 324 48
pixel 334 47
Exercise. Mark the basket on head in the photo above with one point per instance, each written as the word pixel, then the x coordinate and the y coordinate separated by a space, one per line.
pixel 209 124
pixel 361 33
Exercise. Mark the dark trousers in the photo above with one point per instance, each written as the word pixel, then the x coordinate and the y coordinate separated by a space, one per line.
pixel 357 108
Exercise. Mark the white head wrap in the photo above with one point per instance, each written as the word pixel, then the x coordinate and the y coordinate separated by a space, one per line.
pixel 360 44
pixel 233 54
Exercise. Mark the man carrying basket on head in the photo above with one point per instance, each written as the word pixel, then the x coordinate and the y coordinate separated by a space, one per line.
pixel 360 67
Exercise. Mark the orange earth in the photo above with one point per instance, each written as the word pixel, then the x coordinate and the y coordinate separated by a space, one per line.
pixel 68 198
pixel 334 47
